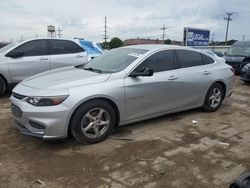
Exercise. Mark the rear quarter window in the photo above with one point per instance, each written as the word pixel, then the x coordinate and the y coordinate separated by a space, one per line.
pixel 207 60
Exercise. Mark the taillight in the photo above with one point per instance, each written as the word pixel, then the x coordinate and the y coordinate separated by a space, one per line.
pixel 232 69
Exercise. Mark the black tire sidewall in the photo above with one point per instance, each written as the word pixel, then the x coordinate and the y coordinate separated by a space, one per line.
pixel 206 105
pixel 2 87
pixel 75 125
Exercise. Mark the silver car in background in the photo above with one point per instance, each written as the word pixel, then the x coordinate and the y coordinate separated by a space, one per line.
pixel 24 59
pixel 122 86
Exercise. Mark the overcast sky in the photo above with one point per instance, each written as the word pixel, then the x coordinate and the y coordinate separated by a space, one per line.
pixel 126 18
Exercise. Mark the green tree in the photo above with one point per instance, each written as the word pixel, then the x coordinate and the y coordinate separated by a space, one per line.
pixel 168 41
pixel 115 43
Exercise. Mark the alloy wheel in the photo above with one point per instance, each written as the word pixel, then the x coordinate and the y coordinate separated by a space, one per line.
pixel 95 123
pixel 215 97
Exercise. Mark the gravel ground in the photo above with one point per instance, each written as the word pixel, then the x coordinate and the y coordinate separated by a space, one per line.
pixel 169 151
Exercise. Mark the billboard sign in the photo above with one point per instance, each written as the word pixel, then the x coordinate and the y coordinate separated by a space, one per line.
pixel 196 37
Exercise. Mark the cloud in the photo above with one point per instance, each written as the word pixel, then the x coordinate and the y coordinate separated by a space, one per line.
pixel 126 18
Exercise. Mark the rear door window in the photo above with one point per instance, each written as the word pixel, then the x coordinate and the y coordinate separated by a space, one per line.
pixel 160 61
pixel 189 58
pixel 64 47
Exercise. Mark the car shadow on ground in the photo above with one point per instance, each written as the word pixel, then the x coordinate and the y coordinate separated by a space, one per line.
pixel 119 133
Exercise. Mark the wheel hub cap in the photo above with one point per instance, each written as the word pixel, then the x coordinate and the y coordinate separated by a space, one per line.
pixel 95 123
pixel 215 98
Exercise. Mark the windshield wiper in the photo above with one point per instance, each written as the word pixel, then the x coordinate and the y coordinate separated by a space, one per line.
pixel 93 70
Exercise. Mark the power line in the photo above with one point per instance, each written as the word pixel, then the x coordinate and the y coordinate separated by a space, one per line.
pixel 163 32
pixel 228 19
pixel 105 33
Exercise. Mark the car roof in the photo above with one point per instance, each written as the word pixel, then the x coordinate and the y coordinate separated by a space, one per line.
pixel 242 43
pixel 48 38
pixel 156 47
pixel 152 46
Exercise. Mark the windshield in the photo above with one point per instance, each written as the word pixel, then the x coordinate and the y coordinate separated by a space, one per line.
pixel 3 49
pixel 114 60
pixel 239 51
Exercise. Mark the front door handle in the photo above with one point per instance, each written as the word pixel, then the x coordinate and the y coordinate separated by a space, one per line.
pixel 172 78
pixel 43 59
pixel 206 72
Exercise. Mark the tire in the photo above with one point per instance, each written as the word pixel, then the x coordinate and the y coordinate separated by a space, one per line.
pixel 92 122
pixel 2 87
pixel 246 82
pixel 214 98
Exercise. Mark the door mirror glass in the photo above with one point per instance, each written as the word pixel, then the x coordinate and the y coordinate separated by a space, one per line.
pixel 142 72
pixel 15 54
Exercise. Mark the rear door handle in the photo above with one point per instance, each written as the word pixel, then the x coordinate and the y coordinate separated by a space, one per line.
pixel 78 55
pixel 172 78
pixel 206 72
pixel 44 58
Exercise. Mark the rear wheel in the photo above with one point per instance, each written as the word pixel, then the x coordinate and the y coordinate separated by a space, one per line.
pixel 214 98
pixel 92 122
pixel 2 86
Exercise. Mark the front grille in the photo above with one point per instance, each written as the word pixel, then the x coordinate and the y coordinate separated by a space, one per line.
pixel 18 96
pixel 16 111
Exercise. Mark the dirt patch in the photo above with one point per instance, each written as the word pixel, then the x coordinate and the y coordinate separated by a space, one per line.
pixel 169 151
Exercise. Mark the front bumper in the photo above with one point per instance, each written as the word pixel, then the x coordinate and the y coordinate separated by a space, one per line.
pixel 45 122
pixel 245 75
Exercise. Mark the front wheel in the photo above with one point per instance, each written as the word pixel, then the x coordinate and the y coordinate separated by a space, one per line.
pixel 92 122
pixel 214 98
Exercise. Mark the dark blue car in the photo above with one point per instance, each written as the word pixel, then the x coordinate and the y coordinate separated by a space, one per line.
pixel 238 55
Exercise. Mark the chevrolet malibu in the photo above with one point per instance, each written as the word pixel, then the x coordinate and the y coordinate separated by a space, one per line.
pixel 122 86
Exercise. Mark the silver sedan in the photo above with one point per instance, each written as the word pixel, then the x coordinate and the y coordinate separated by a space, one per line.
pixel 122 86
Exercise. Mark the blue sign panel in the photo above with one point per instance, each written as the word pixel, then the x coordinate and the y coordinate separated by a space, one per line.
pixel 196 37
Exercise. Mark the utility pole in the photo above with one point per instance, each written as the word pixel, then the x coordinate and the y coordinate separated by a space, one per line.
pixel 213 40
pixel 59 32
pixel 105 33
pixel 243 37
pixel 163 32
pixel 228 19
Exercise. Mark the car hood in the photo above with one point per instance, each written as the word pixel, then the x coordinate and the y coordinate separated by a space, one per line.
pixel 64 78
pixel 234 58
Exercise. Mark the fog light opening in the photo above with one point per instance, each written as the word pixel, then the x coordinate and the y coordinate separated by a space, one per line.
pixel 36 125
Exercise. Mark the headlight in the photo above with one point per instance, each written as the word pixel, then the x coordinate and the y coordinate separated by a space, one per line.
pixel 246 68
pixel 46 101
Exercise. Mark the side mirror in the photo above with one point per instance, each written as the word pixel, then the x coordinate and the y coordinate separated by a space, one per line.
pixel 15 54
pixel 142 72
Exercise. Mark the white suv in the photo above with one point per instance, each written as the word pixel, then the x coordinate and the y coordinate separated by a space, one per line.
pixel 21 60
